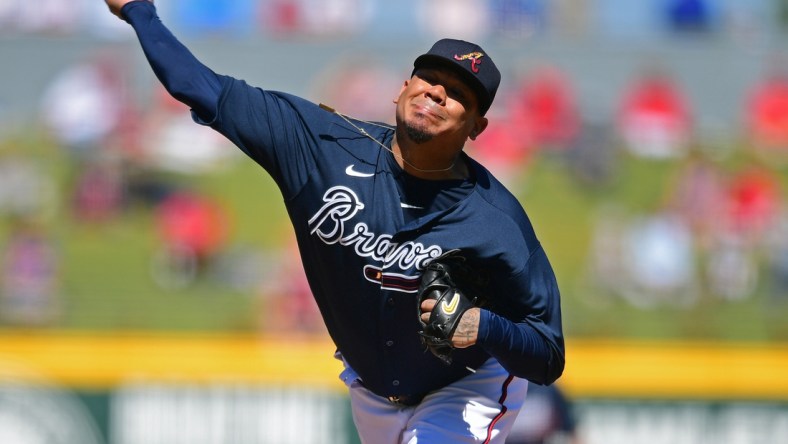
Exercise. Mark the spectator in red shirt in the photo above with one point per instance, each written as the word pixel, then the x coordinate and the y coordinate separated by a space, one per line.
pixel 545 107
pixel 193 229
pixel 654 118
pixel 753 203
pixel 766 117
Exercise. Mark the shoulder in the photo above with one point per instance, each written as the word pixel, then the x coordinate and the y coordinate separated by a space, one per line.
pixel 499 198
pixel 235 89
pixel 510 235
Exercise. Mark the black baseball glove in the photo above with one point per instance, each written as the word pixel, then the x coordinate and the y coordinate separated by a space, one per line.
pixel 456 287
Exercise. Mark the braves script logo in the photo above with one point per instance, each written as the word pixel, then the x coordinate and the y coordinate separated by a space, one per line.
pixel 332 225
pixel 474 57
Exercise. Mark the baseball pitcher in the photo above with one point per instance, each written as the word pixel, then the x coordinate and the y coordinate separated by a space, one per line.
pixel 428 274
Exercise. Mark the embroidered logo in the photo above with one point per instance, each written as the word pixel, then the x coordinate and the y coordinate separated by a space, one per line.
pixel 333 225
pixel 474 57
pixel 451 307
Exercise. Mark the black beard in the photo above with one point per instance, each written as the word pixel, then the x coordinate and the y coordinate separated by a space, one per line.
pixel 417 133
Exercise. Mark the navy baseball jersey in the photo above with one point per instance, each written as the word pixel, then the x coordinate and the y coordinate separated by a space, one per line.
pixel 365 229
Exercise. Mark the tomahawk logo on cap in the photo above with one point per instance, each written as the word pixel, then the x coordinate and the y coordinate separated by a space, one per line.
pixel 465 58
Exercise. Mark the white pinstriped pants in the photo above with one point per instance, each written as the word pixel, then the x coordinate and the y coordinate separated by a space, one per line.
pixel 479 408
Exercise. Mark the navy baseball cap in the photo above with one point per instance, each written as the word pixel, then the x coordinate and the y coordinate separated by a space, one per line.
pixel 468 60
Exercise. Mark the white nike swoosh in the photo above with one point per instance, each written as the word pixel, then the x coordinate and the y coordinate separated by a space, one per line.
pixel 351 172
pixel 404 205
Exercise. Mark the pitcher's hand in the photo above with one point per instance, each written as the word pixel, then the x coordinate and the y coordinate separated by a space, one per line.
pixel 116 5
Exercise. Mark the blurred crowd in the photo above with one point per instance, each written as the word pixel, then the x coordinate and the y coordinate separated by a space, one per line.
pixel 516 19
pixel 719 227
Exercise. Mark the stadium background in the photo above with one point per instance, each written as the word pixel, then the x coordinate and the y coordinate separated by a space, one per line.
pixel 149 288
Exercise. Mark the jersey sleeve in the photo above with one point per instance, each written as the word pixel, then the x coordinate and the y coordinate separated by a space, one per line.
pixel 279 131
pixel 532 348
pixel 276 130
pixel 181 74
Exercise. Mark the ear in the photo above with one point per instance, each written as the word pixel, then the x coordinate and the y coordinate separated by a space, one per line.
pixel 478 127
pixel 404 85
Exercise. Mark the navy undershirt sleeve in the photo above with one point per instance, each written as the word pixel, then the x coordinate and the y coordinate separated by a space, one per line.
pixel 183 76
pixel 506 340
pixel 532 347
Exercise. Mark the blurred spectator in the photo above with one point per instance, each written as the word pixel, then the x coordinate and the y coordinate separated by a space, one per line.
pixel 752 208
pixel 625 19
pixel 174 143
pixel 544 106
pixel 518 19
pixel 462 19
pixel 689 15
pixel 331 17
pixel 654 119
pixel 47 16
pixel 281 17
pixel 214 17
pixel 731 269
pixel 699 196
pixel 504 148
pixel 288 305
pixel 298 18
pixel 591 156
pixel 546 418
pixel 766 113
pixel 25 190
pixel 85 103
pixel 99 191
pixel 540 114
pixel 146 187
pixel 193 229
pixel 660 261
pixel 606 268
pixel 243 268
pixel 753 204
pixel 350 85
pixel 30 278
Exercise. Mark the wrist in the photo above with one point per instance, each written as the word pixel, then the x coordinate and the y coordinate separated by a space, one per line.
pixel 125 10
pixel 467 331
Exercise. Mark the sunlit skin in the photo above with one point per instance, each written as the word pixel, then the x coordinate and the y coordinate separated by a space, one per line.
pixel 116 5
pixel 440 106
pixel 437 104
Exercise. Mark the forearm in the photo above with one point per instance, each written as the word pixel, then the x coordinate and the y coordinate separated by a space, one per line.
pixel 183 76
pixel 520 348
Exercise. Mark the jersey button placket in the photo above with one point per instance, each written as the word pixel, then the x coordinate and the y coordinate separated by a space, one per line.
pixel 388 327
